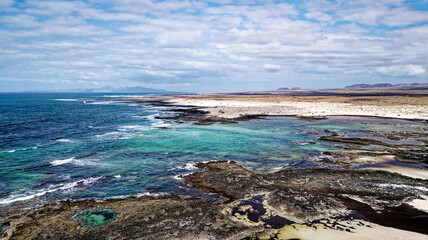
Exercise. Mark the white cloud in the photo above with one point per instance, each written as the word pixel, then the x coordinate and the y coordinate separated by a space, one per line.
pixel 172 42
pixel 272 67
pixel 404 17
pixel 6 4
pixel 20 21
pixel 401 71
pixel 370 13
pixel 318 15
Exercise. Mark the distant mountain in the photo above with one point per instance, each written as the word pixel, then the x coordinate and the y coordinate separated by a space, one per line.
pixel 110 89
pixel 287 89
pixel 378 85
pixel 400 86
pixel 411 86
pixel 283 89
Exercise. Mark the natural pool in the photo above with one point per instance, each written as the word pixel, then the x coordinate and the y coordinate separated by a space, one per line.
pixel 95 217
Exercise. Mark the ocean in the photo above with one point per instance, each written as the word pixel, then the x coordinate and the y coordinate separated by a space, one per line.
pixel 66 146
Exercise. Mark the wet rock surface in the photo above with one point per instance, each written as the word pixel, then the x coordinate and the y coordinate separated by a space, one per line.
pixel 4 227
pixel 412 155
pixel 194 114
pixel 311 194
pixel 140 218
pixel 200 117
pixel 379 143
pixel 258 205
pixel 312 118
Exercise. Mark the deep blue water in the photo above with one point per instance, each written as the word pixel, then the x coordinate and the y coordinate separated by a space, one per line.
pixel 60 146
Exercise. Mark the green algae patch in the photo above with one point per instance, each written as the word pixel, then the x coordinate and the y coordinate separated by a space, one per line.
pixel 95 217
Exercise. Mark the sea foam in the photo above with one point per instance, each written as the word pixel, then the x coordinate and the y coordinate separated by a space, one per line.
pixel 22 149
pixel 67 100
pixel 188 166
pixel 62 140
pixel 52 188
pixel 61 162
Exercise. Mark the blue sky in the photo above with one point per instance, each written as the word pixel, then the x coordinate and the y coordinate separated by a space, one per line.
pixel 211 46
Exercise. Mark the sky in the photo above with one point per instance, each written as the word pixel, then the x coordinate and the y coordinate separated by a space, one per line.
pixel 211 46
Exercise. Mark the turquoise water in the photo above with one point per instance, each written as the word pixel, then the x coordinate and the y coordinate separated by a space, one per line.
pixel 60 146
pixel 95 217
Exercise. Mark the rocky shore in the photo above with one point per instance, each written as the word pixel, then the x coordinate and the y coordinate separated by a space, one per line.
pixel 299 204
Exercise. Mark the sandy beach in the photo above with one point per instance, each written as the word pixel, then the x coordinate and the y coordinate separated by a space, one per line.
pixel 277 104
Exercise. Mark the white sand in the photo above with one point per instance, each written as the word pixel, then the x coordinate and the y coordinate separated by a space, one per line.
pixel 406 171
pixel 421 204
pixel 374 232
pixel 231 108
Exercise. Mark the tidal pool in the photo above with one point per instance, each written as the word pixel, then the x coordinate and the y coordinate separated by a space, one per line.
pixel 95 217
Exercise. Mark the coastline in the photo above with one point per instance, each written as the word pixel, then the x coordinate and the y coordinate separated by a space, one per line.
pixel 234 105
pixel 304 203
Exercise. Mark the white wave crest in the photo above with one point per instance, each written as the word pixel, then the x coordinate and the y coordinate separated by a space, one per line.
pixel 126 96
pixel 113 135
pixel 180 176
pixel 160 124
pixel 100 102
pixel 63 140
pixel 52 188
pixel 134 128
pixel 23 149
pixel 152 194
pixel 67 100
pixel 61 162
pixel 188 166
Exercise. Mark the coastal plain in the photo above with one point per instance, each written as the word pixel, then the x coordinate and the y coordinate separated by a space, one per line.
pixel 380 103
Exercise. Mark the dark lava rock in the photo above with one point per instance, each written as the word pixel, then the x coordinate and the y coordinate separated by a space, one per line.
pixel 312 118
pixel 303 195
pixel 200 117
pixel 413 156
pixel 140 218
pixel 359 141
pixel 258 203
pixel 4 226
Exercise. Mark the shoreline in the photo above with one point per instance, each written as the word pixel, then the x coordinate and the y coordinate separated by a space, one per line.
pixel 383 103
pixel 345 210
pixel 224 108
pixel 346 203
